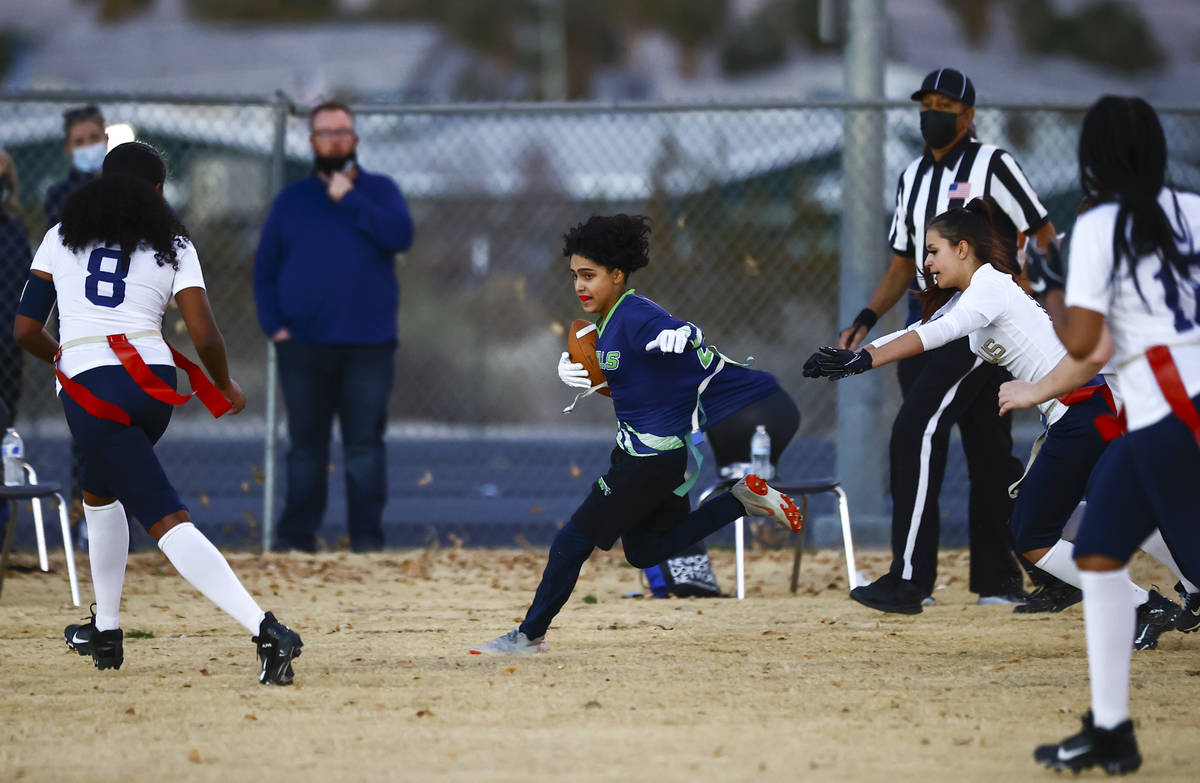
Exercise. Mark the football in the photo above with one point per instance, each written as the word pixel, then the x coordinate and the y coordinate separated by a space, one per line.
pixel 581 345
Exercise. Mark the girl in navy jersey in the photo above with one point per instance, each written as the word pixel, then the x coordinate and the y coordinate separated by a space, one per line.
pixel 666 384
pixel 972 292
pixel 1134 268
pixel 111 267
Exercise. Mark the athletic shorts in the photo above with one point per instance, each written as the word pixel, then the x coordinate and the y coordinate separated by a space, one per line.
pixel 1147 478
pixel 636 492
pixel 118 460
pixel 1059 476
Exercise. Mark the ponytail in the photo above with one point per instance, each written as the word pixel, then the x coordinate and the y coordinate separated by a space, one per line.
pixel 989 232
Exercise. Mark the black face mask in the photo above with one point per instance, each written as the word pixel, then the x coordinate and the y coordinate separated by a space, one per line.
pixel 938 127
pixel 327 165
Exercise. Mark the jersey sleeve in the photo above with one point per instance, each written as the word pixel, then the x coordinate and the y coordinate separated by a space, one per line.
pixel 188 275
pixel 1090 261
pixel 879 342
pixel 973 309
pixel 43 259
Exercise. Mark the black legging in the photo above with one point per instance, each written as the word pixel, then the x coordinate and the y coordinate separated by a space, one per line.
pixel 730 437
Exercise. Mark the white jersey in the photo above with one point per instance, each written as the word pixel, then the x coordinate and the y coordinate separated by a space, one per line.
pixel 1167 312
pixel 99 296
pixel 1002 324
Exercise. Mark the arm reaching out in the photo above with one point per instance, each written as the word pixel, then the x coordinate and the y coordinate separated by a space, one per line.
pixel 1068 375
pixel 210 345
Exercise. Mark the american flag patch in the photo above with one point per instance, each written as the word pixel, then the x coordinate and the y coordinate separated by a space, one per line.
pixel 960 190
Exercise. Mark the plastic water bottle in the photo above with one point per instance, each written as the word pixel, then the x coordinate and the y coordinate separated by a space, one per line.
pixel 14 458
pixel 760 453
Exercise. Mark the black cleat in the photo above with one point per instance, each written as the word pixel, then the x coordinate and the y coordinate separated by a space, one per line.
pixel 1189 616
pixel 277 646
pixel 1053 596
pixel 106 647
pixel 889 593
pixel 1113 750
pixel 1153 618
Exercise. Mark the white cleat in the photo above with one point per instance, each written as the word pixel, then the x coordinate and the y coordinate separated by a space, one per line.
pixel 761 500
pixel 512 643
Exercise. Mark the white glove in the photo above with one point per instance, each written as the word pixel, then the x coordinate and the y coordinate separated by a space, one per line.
pixel 675 340
pixel 572 373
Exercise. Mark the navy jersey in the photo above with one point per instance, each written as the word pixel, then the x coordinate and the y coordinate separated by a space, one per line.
pixel 654 394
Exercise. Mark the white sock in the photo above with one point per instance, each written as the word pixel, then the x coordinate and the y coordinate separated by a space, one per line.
pixel 1060 562
pixel 1156 547
pixel 205 568
pixel 1110 619
pixel 108 552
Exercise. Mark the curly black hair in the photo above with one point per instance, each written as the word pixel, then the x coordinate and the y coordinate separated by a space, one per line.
pixel 121 208
pixel 613 241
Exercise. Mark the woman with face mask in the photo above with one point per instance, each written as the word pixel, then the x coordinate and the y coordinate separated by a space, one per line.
pixel 86 144
pixel 949 385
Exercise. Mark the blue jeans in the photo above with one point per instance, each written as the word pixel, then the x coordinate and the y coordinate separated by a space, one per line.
pixel 353 382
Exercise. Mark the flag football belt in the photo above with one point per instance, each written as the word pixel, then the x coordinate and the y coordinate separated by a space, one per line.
pixel 143 376
pixel 1171 385
pixel 691 438
pixel 1166 375
pixel 1110 425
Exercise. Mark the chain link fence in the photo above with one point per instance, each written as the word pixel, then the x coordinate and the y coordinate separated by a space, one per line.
pixel 746 204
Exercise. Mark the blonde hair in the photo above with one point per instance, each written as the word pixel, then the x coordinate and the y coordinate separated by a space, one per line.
pixel 8 171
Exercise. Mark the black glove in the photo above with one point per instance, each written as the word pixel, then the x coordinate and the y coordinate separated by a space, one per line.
pixel 837 363
pixel 1044 268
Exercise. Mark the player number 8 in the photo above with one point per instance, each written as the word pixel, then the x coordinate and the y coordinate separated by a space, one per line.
pixel 97 274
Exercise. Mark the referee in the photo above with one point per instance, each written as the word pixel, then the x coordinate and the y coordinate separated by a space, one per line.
pixel 948 385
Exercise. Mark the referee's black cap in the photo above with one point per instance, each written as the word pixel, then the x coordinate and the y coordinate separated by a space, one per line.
pixel 948 82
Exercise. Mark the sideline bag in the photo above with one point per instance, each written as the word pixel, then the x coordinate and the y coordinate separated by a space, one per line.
pixel 689 573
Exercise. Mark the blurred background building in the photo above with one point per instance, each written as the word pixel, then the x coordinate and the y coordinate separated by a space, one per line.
pixel 434 51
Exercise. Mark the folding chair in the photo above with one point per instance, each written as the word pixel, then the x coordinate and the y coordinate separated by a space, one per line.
pixel 35 492
pixel 802 490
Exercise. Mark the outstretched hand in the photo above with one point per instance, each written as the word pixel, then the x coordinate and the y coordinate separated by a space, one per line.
pixel 836 363
pixel 672 340
pixel 1016 394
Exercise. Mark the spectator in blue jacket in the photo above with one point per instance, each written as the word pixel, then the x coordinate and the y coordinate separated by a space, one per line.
pixel 327 295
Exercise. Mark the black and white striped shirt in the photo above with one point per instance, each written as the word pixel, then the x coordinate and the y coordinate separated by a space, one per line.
pixel 969 170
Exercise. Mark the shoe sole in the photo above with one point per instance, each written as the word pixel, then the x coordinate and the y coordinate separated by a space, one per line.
pixel 782 509
pixel 110 662
pixel 1115 767
pixel 538 648
pixel 278 670
pixel 882 607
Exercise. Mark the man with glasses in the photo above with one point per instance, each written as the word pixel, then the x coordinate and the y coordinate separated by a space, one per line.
pixel 327 295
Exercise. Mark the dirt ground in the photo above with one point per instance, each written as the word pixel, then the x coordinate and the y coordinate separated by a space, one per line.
pixel 777 687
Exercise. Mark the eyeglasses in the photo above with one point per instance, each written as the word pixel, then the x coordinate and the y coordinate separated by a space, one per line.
pixel 334 133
